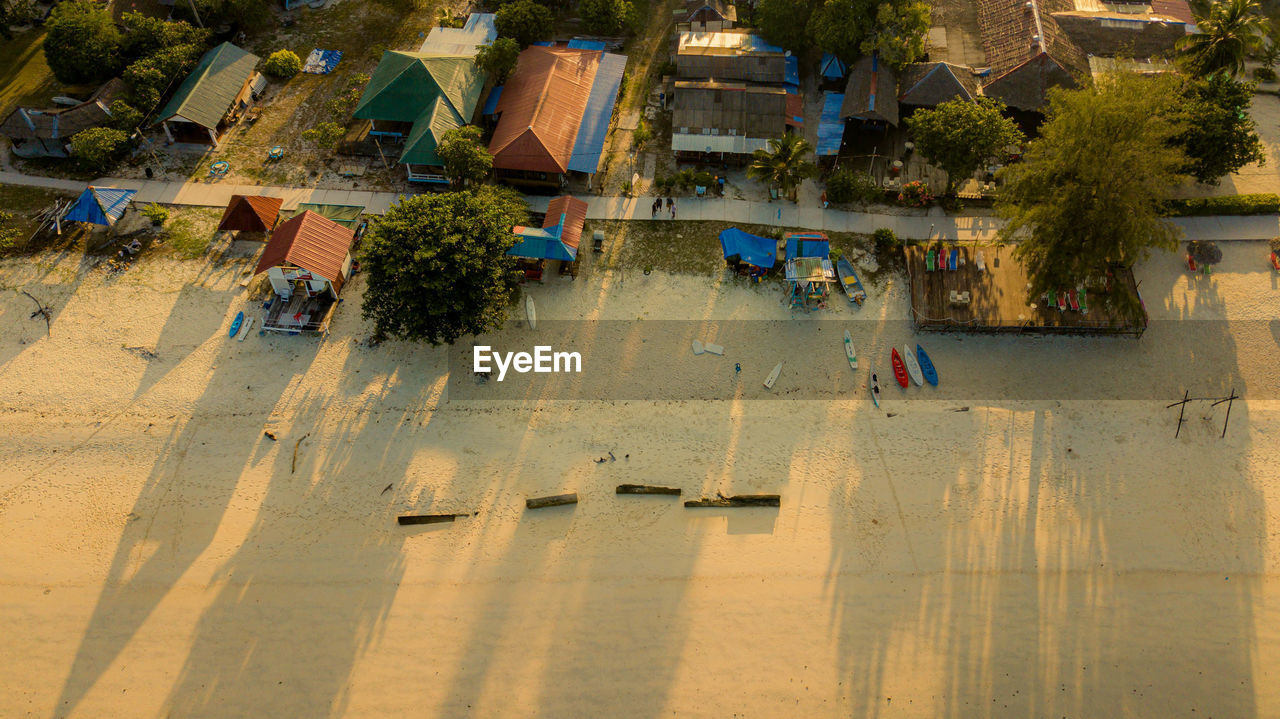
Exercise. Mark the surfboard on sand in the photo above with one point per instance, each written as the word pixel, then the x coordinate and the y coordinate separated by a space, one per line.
pixel 849 351
pixel 235 324
pixel 530 313
pixel 244 331
pixel 773 376
pixel 913 367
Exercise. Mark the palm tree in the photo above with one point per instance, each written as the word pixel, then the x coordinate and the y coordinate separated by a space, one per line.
pixel 783 164
pixel 1228 30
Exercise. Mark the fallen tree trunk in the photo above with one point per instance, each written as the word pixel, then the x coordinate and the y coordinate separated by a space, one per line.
pixel 738 500
pixel 646 489
pixel 427 518
pixel 552 501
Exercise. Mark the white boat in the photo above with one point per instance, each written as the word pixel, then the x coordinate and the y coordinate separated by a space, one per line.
pixel 913 366
pixel 849 351
pixel 773 376
pixel 530 313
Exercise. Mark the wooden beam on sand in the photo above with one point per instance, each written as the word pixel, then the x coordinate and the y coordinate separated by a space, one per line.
pixel 552 501
pixel 427 518
pixel 738 500
pixel 646 489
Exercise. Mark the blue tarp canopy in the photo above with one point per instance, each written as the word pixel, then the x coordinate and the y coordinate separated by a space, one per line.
pixel 807 244
pixel 491 104
pixel 830 125
pixel 100 205
pixel 748 248
pixel 589 146
pixel 542 243
pixel 832 67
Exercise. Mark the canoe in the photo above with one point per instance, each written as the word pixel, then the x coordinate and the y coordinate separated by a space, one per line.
pixel 530 313
pixel 913 367
pixel 773 376
pixel 850 282
pixel 235 324
pixel 849 351
pixel 875 385
pixel 926 366
pixel 899 370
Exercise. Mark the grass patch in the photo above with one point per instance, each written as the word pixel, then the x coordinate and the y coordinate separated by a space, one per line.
pixel 189 231
pixel 1262 204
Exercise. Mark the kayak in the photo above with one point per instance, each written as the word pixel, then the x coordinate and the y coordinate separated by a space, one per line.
pixel 899 370
pixel 913 367
pixel 926 366
pixel 849 351
pixel 875 385
pixel 235 324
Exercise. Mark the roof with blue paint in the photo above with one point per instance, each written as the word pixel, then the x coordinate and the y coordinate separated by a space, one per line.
pixel 100 205
pixel 830 125
pixel 807 244
pixel 580 44
pixel 588 148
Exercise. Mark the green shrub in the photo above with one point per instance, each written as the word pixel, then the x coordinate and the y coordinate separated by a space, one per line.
pixel 283 64
pixel 704 179
pixel 325 135
pixel 155 213
pixel 98 148
pixel 641 135
pixel 1264 74
pixel 1261 204
pixel 915 194
pixel 849 185
pixel 885 237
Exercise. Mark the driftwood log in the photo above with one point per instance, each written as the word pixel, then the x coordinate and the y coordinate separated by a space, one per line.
pixel 427 518
pixel 552 501
pixel 737 500
pixel 646 489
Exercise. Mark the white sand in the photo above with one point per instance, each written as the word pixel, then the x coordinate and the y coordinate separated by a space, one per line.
pixel 160 557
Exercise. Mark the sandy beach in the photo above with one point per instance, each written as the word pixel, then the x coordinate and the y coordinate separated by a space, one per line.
pixel 1045 552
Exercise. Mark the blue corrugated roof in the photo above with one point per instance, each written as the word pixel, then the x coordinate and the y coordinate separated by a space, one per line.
pixel 491 104
pixel 830 126
pixel 580 44
pixel 589 146
pixel 543 43
pixel 541 243
pixel 100 205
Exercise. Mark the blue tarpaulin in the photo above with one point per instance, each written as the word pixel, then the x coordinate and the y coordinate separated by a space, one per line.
pixel 491 104
pixel 832 67
pixel 830 126
pixel 589 146
pixel 748 248
pixel 807 244
pixel 580 44
pixel 100 205
pixel 322 62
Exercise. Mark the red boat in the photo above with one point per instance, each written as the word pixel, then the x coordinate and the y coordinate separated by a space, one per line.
pixel 899 369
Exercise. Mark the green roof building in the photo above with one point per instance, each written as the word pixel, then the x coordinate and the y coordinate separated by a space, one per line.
pixel 212 96
pixel 417 97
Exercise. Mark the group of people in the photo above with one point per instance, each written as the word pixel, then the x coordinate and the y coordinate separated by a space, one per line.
pixel 657 207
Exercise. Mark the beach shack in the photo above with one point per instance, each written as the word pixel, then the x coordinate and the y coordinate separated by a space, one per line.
pixel 213 97
pixel 307 261
pixel 99 205
pixel 557 239
pixel 255 214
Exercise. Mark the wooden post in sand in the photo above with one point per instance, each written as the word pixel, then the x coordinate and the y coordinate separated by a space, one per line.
pixel 552 501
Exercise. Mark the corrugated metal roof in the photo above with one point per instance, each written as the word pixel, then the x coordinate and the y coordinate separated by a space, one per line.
pixel 589 146
pixel 930 84
pixel 725 43
pixel 207 93
pixel 311 242
pixel 250 213
pixel 872 92
pixel 480 29
pixel 559 236
pixel 574 214
pixel 100 205
pixel 830 125
pixel 541 109
pixel 407 83
pixel 427 132
pixel 60 124
pixel 578 43
pixel 734 144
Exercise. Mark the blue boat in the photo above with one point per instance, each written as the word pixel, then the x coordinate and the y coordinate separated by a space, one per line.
pixel 926 366
pixel 850 282
pixel 235 324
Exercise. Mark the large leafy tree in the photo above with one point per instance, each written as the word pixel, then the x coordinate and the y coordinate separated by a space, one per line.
pixel 466 159
pixel 1089 190
pixel 959 136
pixel 83 44
pixel 783 165
pixel 784 22
pixel 895 29
pixel 1228 31
pixel 499 58
pixel 524 21
pixel 607 17
pixel 437 266
pixel 1220 136
pixel 98 148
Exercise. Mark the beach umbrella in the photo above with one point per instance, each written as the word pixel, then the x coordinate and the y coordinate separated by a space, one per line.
pixel 1204 252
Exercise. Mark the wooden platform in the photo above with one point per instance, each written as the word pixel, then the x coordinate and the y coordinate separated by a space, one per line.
pixel 998 299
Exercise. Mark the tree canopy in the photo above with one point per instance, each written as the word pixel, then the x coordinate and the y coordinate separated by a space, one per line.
pixel 785 22
pixel 1220 136
pixel 83 44
pixel 437 266
pixel 783 164
pixel 852 28
pixel 466 159
pixel 97 148
pixel 1089 190
pixel 959 136
pixel 607 17
pixel 499 58
pixel 524 21
pixel 1228 31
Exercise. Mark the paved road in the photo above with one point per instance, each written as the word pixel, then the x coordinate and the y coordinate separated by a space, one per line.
pixel 782 214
